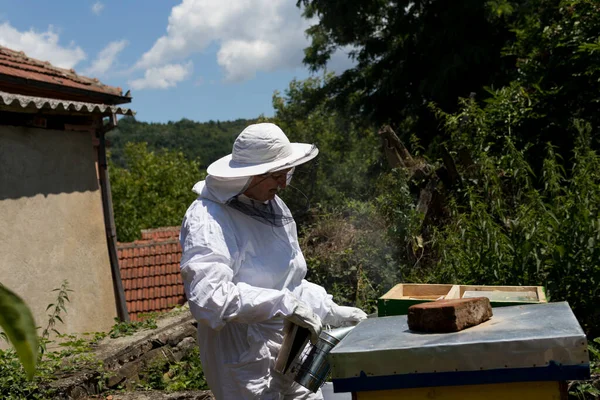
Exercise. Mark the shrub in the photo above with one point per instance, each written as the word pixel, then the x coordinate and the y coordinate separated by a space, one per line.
pixel 348 253
pixel 512 226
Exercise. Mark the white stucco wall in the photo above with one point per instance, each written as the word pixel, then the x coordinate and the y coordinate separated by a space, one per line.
pixel 52 226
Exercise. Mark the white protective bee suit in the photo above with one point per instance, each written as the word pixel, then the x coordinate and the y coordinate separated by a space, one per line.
pixel 243 277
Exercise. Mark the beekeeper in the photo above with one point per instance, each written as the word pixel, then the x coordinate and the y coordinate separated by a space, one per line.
pixel 243 269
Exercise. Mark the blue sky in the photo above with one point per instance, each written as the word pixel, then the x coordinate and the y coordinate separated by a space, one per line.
pixel 195 59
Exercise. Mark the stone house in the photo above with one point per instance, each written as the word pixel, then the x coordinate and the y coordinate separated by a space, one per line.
pixel 55 207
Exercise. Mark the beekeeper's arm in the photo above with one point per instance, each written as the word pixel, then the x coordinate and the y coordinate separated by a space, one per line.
pixel 214 300
pixel 323 305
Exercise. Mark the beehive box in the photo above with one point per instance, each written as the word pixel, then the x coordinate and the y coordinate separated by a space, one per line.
pixel 397 300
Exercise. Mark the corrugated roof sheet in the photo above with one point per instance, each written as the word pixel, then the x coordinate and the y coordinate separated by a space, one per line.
pixel 17 64
pixel 150 272
pixel 43 103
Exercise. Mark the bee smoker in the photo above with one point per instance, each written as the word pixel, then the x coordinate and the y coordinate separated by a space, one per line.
pixel 313 369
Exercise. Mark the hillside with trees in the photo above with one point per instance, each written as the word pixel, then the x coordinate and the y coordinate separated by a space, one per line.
pixel 203 142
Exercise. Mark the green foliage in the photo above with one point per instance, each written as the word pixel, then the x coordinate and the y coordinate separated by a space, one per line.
pixel 62 297
pixel 154 191
pixel 348 253
pixel 510 226
pixel 556 48
pixel 19 326
pixel 14 383
pixel 186 374
pixel 408 53
pixel 121 329
pixel 348 154
pixel 396 204
pixel 205 142
pixel 73 354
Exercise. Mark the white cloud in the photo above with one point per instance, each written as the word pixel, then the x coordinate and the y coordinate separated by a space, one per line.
pixel 241 59
pixel 106 58
pixel 97 8
pixel 252 35
pixel 41 45
pixel 163 77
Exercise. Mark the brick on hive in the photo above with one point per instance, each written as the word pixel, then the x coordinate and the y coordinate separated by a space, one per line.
pixel 449 315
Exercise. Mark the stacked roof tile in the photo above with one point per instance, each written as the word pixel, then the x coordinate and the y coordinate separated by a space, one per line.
pixel 17 65
pixel 150 272
pixel 168 232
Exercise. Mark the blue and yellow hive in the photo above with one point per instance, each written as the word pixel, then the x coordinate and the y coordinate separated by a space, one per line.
pixel 525 351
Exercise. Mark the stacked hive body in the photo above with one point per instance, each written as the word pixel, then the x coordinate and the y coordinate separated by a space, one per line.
pixel 404 295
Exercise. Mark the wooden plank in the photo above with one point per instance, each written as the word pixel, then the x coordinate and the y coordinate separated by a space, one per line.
pixel 411 290
pixel 395 292
pixel 454 293
pixel 464 288
pixel 541 295
pixel 498 391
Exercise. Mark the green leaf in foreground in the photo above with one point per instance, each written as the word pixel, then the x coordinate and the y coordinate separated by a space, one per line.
pixel 17 322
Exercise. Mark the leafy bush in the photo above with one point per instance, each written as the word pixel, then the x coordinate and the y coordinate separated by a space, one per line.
pixel 121 328
pixel 186 374
pixel 153 191
pixel 512 226
pixel 348 253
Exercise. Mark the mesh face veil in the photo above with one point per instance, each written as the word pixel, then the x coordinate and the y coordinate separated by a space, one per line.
pixel 269 212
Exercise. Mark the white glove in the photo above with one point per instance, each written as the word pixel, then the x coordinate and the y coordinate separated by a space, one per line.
pixel 303 316
pixel 344 316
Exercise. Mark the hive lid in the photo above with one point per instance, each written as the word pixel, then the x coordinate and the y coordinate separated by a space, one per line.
pixel 527 336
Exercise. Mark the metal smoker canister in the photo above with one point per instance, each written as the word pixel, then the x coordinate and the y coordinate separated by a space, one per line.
pixel 315 368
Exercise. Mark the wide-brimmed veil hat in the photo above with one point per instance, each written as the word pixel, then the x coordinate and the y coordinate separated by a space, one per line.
pixel 259 149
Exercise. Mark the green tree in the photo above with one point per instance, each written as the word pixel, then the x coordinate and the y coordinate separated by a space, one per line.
pixel 154 189
pixel 348 153
pixel 557 48
pixel 409 53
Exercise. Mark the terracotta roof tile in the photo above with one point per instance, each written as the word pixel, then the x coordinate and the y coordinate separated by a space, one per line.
pixel 170 232
pixel 17 65
pixel 150 272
